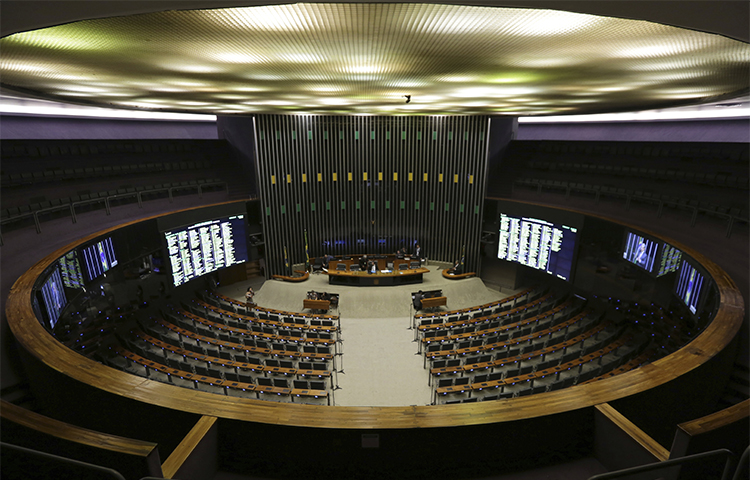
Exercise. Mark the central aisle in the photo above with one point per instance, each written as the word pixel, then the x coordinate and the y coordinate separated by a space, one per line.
pixel 381 367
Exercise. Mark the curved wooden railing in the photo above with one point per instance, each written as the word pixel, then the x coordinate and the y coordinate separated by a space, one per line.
pixel 303 275
pixel 140 456
pixel 448 273
pixel 39 342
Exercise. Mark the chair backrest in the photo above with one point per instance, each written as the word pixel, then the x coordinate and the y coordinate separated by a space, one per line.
pixel 317 385
pixel 341 266
pixel 280 382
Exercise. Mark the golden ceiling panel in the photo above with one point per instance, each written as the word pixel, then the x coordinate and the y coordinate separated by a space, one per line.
pixel 366 58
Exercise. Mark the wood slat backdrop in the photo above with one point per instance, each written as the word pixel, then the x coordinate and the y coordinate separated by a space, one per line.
pixel 371 185
pixel 37 340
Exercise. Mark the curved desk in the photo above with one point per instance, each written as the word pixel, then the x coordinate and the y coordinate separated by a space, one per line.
pixel 395 277
pixel 448 273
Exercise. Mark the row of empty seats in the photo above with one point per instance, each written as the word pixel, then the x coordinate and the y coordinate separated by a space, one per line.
pixel 217 378
pixel 550 370
pixel 429 321
pixel 61 174
pixel 719 153
pixel 732 212
pixel 474 391
pixel 540 345
pixel 106 199
pixel 247 345
pixel 229 307
pixel 70 149
pixel 703 178
pixel 162 351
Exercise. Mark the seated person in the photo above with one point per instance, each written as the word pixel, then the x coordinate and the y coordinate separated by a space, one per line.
pixel 401 253
pixel 458 268
pixel 372 267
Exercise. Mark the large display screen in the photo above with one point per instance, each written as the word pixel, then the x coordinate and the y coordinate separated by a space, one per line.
pixel 53 297
pixel 206 247
pixel 70 270
pixel 640 251
pixel 689 286
pixel 538 244
pixel 99 258
pixel 670 260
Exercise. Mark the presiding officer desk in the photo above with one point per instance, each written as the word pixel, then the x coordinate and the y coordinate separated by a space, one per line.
pixel 340 271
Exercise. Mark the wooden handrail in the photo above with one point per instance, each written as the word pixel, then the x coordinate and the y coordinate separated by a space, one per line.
pixel 448 273
pixel 76 434
pixel 641 437
pixel 303 275
pixel 30 333
pixel 189 443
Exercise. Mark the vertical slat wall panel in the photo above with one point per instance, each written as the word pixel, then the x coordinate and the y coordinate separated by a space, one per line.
pixel 343 212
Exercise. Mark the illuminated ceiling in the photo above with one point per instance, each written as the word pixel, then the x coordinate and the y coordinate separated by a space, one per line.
pixel 366 58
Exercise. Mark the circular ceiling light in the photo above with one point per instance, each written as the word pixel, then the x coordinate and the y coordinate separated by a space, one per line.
pixel 364 58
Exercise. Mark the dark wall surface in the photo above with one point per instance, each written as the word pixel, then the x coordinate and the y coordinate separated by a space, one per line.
pixel 734 130
pixel 64 128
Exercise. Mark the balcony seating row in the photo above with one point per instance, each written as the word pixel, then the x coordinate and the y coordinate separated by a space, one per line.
pixel 732 213
pixel 214 381
pixel 57 174
pixel 39 210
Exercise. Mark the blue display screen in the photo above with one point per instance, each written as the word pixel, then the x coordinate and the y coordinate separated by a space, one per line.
pixel 640 251
pixel 53 297
pixel 670 260
pixel 99 258
pixel 689 286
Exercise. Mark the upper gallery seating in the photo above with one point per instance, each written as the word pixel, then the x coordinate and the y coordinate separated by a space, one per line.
pixel 62 177
pixel 701 179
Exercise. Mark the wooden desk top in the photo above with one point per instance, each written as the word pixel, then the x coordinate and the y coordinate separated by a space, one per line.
pixel 433 302
pixel 316 304
pixel 394 273
pixel 32 336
